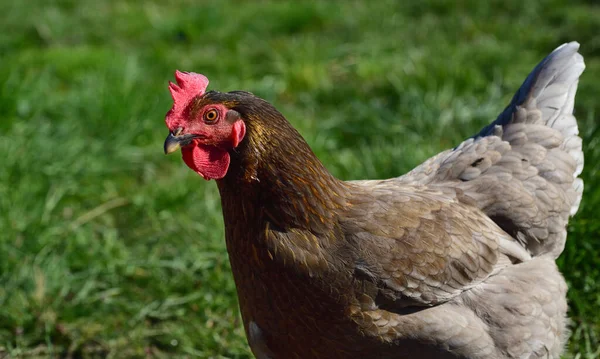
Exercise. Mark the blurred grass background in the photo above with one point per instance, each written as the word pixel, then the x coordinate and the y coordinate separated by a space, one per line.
pixel 110 249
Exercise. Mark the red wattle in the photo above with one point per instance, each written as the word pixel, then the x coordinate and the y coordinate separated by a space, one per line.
pixel 208 161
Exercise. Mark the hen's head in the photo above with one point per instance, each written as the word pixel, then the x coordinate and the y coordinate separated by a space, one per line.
pixel 205 127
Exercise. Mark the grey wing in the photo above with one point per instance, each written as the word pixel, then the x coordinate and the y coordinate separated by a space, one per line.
pixel 522 170
pixel 420 246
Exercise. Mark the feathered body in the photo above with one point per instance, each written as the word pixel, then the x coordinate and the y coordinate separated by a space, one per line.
pixel 452 260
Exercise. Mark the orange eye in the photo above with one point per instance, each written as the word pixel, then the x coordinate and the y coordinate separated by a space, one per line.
pixel 211 115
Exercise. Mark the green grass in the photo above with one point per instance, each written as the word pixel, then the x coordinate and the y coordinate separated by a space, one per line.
pixel 109 248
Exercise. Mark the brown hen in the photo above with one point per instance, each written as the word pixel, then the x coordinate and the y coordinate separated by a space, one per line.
pixel 452 260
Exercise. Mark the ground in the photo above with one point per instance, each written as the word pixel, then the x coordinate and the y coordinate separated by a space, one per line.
pixel 110 249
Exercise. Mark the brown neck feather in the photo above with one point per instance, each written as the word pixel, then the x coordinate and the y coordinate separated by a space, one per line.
pixel 275 173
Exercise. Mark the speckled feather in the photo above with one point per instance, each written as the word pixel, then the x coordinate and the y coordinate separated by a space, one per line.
pixel 453 260
pixel 522 170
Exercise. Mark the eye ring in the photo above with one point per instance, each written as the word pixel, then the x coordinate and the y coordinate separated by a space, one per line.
pixel 211 115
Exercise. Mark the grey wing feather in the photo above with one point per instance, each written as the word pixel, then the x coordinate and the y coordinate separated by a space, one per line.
pixel 422 247
pixel 522 170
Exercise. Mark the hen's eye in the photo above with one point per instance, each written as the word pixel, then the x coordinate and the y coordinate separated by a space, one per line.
pixel 210 116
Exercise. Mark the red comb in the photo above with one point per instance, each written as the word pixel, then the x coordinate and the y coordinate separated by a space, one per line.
pixel 188 86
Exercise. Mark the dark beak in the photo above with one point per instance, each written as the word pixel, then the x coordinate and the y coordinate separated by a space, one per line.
pixel 173 143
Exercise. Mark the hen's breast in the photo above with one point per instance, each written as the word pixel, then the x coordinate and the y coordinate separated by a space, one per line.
pixel 284 314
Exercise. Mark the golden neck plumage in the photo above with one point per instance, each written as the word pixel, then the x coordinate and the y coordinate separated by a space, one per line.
pixel 275 170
